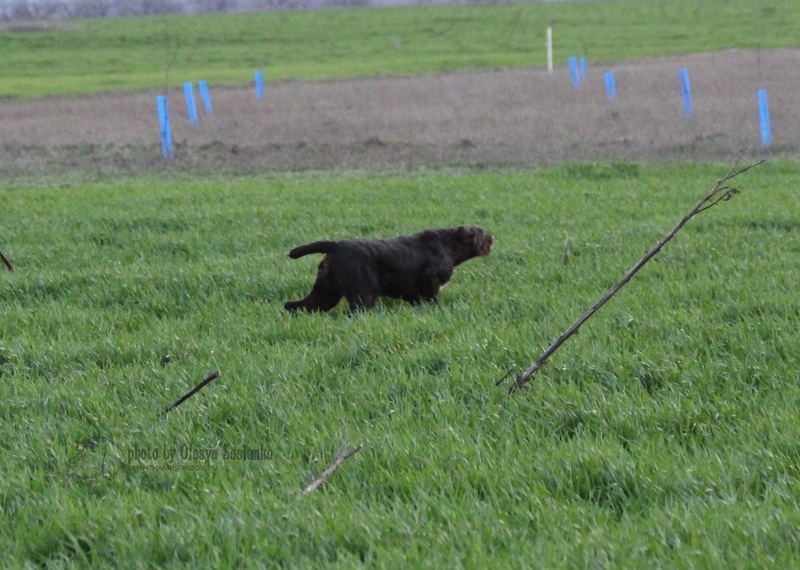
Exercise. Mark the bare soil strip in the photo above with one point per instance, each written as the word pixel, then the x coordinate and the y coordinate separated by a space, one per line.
pixel 495 118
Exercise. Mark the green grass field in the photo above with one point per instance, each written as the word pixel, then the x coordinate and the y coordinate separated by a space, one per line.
pixel 98 55
pixel 664 435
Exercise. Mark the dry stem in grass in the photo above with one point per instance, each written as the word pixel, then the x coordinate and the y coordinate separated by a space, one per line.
pixel 719 193
pixel 6 261
pixel 192 392
pixel 340 458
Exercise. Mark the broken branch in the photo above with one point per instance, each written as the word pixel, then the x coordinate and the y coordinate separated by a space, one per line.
pixel 192 392
pixel 719 193
pixel 341 457
pixel 6 261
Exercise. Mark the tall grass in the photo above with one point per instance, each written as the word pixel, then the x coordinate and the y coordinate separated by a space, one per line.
pixel 665 434
pixel 145 53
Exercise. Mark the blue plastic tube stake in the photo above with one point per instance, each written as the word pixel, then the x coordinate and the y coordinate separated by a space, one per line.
pixel 573 71
pixel 206 97
pixel 163 118
pixel 763 112
pixel 611 87
pixel 191 108
pixel 259 85
pixel 583 68
pixel 686 91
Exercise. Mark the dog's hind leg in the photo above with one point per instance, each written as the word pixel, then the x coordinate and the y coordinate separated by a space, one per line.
pixel 320 299
pixel 324 295
pixel 313 304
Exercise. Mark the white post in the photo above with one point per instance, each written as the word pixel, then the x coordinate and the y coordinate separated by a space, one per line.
pixel 549 49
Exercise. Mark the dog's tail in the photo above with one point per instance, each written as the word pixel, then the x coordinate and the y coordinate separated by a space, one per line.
pixel 316 247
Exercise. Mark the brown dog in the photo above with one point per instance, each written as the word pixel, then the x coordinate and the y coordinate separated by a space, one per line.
pixel 413 268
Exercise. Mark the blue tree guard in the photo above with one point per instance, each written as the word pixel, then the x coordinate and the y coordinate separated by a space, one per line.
pixel 686 91
pixel 611 86
pixel 573 71
pixel 191 108
pixel 763 112
pixel 259 85
pixel 206 97
pixel 163 118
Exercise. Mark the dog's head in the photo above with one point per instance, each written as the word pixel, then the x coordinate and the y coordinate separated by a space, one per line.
pixel 471 241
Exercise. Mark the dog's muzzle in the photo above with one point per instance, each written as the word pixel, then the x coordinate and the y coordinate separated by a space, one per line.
pixel 488 242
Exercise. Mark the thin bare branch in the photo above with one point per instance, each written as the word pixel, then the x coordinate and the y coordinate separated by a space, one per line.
pixel 341 457
pixel 172 44
pixel 192 392
pixel 709 201
pixel 503 379
pixel 6 261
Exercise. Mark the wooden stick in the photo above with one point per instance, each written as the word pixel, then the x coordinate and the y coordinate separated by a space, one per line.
pixel 719 193
pixel 341 457
pixel 6 261
pixel 192 392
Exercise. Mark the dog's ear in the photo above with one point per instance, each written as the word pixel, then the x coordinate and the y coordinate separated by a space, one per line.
pixel 468 234
pixel 465 234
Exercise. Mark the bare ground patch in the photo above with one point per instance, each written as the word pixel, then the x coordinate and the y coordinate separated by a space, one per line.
pixel 500 118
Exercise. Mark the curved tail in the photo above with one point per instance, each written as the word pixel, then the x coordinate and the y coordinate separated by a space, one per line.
pixel 316 247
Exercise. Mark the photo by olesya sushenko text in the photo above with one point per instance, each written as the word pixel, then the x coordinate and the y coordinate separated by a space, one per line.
pixel 174 456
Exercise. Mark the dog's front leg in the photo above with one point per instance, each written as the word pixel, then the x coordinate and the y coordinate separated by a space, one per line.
pixel 418 299
pixel 428 288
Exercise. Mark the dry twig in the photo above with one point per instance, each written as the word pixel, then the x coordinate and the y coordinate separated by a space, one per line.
pixel 172 44
pixel 6 261
pixel 341 457
pixel 719 193
pixel 192 392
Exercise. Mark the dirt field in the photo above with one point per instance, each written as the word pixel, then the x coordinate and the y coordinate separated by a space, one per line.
pixel 513 117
